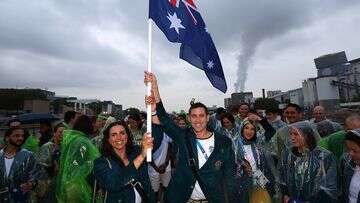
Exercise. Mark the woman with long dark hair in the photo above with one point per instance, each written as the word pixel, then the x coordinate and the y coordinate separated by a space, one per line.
pixel 121 171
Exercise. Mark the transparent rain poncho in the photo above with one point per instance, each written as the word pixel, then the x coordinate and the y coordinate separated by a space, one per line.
pixel 262 178
pixel 76 163
pixel 31 143
pixel 234 134
pixel 327 127
pixel 311 175
pixel 281 139
pixel 349 170
pixel 98 139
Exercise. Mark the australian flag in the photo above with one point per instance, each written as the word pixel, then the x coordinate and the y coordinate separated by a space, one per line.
pixel 181 22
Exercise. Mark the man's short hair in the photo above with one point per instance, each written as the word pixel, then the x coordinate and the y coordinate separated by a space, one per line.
pixel 60 125
pixel 10 131
pixel 229 116
pixel 244 103
pixel 353 136
pixel 69 115
pixel 198 105
pixel 272 110
pixel 297 107
pixel 13 120
pixel 181 117
pixel 220 110
pixel 352 117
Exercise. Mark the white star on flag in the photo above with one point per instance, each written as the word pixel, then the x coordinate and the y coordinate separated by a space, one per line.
pixel 175 22
pixel 210 65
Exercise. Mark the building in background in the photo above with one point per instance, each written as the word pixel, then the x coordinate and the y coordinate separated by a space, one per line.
pixel 238 98
pixel 227 103
pixel 241 97
pixel 337 82
pixel 334 64
pixel 271 93
pixel 36 106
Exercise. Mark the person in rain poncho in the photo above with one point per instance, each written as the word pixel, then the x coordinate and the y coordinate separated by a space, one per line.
pixel 326 128
pixel 350 168
pixel 293 113
pixel 230 128
pixel 307 172
pixel 76 163
pixel 31 142
pixel 274 119
pixel 98 139
pixel 335 141
pixel 136 127
pixel 48 159
pixel 253 166
pixel 215 119
pixel 17 169
pixel 242 113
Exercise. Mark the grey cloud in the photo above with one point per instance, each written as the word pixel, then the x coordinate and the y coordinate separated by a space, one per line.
pixel 252 22
pixel 51 43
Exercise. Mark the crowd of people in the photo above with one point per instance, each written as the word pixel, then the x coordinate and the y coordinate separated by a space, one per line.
pixel 239 155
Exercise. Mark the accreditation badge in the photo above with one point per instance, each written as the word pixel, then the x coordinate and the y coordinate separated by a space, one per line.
pixel 260 178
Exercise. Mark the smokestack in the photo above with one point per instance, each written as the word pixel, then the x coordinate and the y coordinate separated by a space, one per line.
pixel 263 93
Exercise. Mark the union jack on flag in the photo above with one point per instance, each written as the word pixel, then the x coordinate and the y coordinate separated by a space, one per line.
pixel 188 4
pixel 181 22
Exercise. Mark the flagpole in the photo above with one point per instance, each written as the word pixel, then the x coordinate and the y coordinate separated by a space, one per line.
pixel 148 90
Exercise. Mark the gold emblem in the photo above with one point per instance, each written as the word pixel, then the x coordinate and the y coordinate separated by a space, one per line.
pixel 218 165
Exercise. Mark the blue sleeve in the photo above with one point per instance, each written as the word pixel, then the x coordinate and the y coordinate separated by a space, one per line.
pixel 170 128
pixel 269 130
pixel 158 135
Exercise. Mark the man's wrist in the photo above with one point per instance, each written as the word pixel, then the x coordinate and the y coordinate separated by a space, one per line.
pixel 142 155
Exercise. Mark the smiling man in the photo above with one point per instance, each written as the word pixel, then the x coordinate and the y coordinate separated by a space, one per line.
pixel 206 168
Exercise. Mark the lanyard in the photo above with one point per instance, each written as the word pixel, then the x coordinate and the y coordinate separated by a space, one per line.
pixel 202 150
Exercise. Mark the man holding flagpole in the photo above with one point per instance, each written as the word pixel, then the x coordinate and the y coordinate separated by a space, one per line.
pixel 181 22
pixel 206 167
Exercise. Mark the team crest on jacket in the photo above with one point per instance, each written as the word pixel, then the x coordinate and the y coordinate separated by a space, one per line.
pixel 218 165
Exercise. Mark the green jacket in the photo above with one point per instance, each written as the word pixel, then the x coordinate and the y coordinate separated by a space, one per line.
pixel 334 143
pixel 76 163
pixel 114 177
pixel 217 173
pixel 31 143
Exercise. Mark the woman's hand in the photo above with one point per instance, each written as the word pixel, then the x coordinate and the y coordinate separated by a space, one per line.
pixel 146 143
pixel 254 117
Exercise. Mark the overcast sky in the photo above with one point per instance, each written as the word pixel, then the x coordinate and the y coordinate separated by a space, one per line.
pixel 98 48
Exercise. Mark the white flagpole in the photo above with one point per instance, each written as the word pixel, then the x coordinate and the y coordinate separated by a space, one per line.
pixel 148 90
